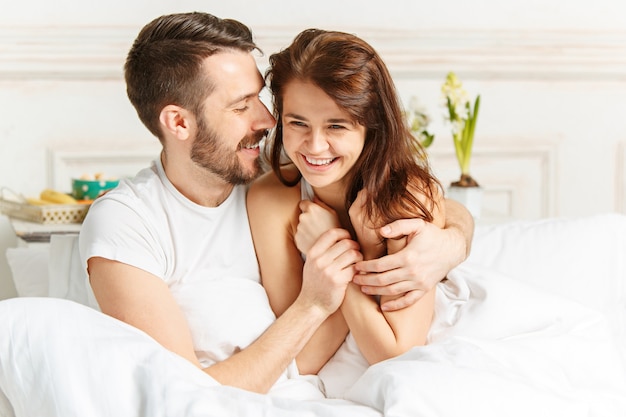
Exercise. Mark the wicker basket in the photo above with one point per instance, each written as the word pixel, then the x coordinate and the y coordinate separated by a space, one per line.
pixel 47 214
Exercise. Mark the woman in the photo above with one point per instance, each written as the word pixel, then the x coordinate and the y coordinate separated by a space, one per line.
pixel 347 148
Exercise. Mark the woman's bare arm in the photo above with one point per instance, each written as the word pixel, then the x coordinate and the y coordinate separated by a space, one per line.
pixel 273 211
pixel 384 334
pixel 430 253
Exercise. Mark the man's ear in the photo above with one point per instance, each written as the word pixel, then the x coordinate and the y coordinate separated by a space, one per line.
pixel 176 121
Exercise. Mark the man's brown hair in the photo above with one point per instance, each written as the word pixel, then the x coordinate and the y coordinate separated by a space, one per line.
pixel 164 64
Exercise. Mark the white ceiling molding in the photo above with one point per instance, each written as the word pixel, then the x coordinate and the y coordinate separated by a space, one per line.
pixel 64 52
pixel 99 52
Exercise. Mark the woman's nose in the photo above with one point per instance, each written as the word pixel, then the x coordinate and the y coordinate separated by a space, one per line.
pixel 316 142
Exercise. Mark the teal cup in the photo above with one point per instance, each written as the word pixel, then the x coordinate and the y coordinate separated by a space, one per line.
pixel 91 189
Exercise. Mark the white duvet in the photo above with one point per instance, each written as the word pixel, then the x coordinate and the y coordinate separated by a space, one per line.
pixel 503 349
pixel 497 348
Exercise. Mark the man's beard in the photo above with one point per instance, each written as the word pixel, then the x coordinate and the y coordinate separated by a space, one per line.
pixel 209 152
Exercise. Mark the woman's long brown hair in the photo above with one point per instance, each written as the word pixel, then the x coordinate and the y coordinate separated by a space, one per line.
pixel 350 71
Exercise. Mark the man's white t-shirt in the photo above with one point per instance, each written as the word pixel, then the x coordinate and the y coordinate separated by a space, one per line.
pixel 205 255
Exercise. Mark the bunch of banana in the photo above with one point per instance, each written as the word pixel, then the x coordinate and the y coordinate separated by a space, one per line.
pixel 49 196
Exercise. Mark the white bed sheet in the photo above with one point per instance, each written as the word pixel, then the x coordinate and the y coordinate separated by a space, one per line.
pixel 60 358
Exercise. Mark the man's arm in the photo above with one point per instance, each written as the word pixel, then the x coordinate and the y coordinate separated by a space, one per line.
pixel 257 367
pixel 144 301
pixel 459 220
pixel 429 255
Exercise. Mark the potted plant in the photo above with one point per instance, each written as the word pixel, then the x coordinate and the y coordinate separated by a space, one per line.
pixel 462 118
pixel 418 122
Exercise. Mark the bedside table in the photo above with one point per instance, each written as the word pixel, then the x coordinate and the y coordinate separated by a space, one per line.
pixel 31 232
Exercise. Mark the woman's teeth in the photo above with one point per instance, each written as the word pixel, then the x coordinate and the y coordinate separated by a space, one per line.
pixel 319 161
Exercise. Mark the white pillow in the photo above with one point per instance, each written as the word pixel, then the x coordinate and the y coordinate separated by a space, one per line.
pixel 68 277
pixel 582 259
pixel 29 267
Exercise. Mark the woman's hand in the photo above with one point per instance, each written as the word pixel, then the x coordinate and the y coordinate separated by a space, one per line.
pixel 315 219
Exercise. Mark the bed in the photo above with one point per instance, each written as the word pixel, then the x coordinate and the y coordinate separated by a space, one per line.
pixel 534 325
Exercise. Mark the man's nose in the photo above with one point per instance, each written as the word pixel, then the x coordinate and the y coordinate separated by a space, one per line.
pixel 263 118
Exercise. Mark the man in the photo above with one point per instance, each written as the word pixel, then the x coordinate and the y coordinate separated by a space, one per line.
pixel 170 250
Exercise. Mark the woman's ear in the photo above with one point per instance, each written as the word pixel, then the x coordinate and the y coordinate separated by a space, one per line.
pixel 176 121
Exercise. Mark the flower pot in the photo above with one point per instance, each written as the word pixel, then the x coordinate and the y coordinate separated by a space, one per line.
pixel 470 197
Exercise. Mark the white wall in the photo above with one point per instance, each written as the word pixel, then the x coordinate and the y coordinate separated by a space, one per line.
pixel 551 137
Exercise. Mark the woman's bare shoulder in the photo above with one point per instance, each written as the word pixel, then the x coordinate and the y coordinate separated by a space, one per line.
pixel 269 189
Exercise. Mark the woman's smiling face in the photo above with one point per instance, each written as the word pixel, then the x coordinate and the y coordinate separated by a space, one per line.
pixel 321 139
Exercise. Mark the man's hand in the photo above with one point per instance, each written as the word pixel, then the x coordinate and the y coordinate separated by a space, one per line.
pixel 328 269
pixel 430 253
